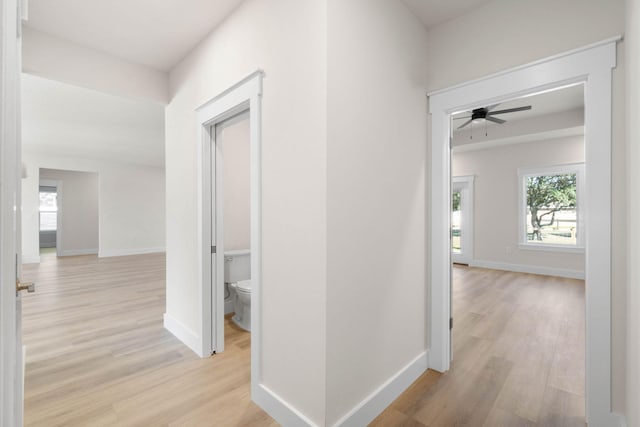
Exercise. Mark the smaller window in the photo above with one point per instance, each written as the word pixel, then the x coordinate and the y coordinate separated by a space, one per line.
pixel 550 203
pixel 48 208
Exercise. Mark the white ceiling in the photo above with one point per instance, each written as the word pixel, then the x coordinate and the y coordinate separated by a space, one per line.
pixel 149 32
pixel 62 119
pixel 65 120
pixel 555 101
pixel 160 33
pixel 434 12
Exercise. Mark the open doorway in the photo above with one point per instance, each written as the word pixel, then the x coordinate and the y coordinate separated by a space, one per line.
pixel 519 302
pixel 233 198
pixel 48 217
pixel 462 233
pixel 592 66
pixel 67 212
pixel 215 117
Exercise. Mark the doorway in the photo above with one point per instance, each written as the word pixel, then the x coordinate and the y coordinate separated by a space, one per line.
pixel 591 66
pixel 230 222
pixel 524 291
pixel 68 212
pixel 462 219
pixel 242 98
pixel 48 228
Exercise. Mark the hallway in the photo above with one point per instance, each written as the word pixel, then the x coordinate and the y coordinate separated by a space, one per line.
pixel 98 355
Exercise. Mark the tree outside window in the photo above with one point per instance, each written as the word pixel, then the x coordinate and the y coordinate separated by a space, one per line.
pixel 551 206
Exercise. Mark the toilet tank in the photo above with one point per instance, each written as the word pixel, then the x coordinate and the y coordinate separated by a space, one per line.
pixel 237 265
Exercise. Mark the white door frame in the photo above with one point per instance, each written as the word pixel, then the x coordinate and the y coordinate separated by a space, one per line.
pixel 465 183
pixel 245 95
pixel 11 351
pixel 591 66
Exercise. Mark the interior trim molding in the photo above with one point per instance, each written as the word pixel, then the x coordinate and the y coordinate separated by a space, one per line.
pixel 373 405
pixel 531 269
pixel 75 252
pixel 591 66
pixel 184 334
pixel 605 42
pixel 125 252
pixel 279 409
pixel 30 259
pixel 244 95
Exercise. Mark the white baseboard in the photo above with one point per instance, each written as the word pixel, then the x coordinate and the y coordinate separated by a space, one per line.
pixel 278 408
pixel 520 268
pixel 126 252
pixel 76 252
pixel 184 334
pixel 30 259
pixel 367 410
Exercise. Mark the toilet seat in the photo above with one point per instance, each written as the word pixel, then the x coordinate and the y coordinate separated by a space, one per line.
pixel 243 286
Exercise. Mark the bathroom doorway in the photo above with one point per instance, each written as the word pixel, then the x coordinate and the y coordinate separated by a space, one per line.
pixel 231 157
pixel 235 111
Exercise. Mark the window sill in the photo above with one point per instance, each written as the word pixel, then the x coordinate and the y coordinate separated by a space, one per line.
pixel 551 248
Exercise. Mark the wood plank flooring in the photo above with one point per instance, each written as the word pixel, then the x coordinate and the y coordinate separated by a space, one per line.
pixel 98 355
pixel 518 356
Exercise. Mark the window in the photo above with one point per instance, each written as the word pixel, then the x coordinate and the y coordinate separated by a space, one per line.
pixel 455 221
pixel 550 203
pixel 48 208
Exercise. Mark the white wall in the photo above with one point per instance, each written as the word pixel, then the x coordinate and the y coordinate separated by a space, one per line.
pixel 496 205
pixel 234 140
pixel 131 204
pixel 521 32
pixel 57 59
pixel 287 39
pixel 377 157
pixel 77 210
pixel 632 41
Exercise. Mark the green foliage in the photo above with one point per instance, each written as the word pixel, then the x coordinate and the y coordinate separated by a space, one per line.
pixel 455 201
pixel 548 194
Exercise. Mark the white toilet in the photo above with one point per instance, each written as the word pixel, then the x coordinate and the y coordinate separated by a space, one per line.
pixel 237 275
pixel 242 304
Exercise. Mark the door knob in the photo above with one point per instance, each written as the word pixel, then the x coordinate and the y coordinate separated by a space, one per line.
pixel 29 286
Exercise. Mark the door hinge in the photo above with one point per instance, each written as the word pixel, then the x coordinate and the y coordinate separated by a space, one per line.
pixel 213 249
pixel 451 323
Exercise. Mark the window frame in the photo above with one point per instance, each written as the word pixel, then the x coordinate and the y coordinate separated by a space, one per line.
pixel 54 190
pixel 561 169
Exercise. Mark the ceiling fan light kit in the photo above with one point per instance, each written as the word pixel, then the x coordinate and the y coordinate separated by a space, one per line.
pixel 487 113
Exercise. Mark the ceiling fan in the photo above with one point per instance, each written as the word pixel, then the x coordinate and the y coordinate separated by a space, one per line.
pixel 487 113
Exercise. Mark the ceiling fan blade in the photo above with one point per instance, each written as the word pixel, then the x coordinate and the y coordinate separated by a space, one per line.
pixel 511 110
pixel 462 117
pixel 465 124
pixel 495 120
pixel 491 107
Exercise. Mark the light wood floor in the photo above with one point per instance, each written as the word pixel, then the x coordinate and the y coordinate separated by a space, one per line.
pixel 518 356
pixel 97 354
